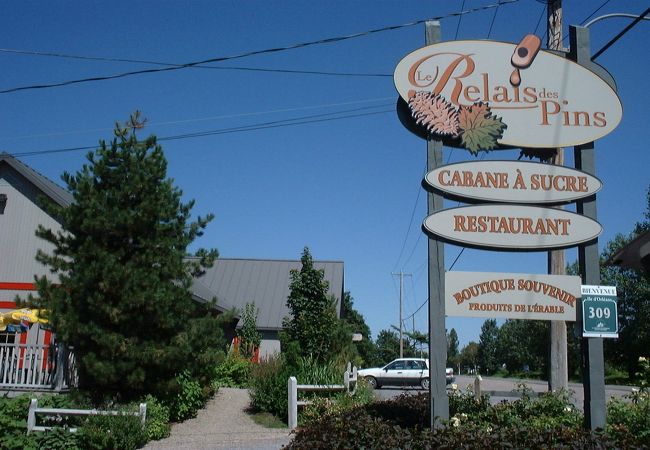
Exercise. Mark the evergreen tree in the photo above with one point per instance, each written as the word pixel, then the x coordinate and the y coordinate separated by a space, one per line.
pixel 452 348
pixel 311 329
pixel 487 354
pixel 123 300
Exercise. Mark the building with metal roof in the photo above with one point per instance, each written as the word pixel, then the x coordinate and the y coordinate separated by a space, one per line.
pixel 233 282
pixel 266 283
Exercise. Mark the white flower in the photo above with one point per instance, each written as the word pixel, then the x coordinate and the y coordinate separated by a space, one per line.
pixel 463 416
pixel 454 387
pixel 489 429
pixel 568 409
pixel 455 421
pixel 642 359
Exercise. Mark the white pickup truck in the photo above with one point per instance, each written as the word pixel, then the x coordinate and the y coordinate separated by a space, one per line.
pixel 402 372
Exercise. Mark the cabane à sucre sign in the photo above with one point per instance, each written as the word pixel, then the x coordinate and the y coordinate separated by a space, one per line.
pixel 512 182
pixel 482 95
pixel 511 227
pixel 511 295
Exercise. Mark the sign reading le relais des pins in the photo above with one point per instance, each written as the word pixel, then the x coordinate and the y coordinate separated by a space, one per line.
pixel 482 95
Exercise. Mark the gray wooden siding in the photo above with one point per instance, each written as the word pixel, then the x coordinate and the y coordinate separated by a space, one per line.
pixel 18 243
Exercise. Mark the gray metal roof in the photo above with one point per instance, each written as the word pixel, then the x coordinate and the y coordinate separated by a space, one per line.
pixel 265 282
pixel 47 186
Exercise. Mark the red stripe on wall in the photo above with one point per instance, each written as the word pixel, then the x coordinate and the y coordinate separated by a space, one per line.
pixel 9 286
pixel 7 305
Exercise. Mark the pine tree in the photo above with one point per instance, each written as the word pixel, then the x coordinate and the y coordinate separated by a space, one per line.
pixel 123 300
pixel 311 327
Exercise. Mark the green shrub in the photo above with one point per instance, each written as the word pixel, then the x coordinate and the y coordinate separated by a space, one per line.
pixel 234 371
pixel 122 432
pixel 58 439
pixel 157 424
pixel 336 405
pixel 630 415
pixel 189 399
pixel 269 378
pixel 268 386
pixel 397 424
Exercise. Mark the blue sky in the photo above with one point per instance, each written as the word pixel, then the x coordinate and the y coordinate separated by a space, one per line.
pixel 347 188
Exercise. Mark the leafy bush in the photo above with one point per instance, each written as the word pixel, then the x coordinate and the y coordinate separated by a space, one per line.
pixel 123 432
pixel 157 424
pixel 398 424
pixel 630 415
pixel 269 381
pixel 268 386
pixel 13 422
pixel 234 371
pixel 57 439
pixel 189 399
pixel 337 404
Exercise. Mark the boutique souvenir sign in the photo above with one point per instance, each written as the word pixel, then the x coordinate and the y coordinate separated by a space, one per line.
pixel 512 182
pixel 482 95
pixel 511 295
pixel 511 227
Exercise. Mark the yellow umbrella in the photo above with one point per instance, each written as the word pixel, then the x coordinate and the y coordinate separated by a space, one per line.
pixel 27 315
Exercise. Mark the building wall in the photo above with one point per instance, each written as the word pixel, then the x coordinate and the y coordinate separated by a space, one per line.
pixel 270 343
pixel 18 243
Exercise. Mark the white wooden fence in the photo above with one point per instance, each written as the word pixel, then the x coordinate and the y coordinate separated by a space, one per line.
pixel 34 410
pixel 36 367
pixel 349 385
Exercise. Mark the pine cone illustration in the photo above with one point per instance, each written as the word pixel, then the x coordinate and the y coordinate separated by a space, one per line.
pixel 434 113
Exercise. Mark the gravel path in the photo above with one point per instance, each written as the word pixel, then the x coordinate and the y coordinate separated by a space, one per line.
pixel 223 424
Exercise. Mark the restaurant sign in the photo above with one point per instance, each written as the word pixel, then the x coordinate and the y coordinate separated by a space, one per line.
pixel 482 95
pixel 512 182
pixel 511 227
pixel 511 295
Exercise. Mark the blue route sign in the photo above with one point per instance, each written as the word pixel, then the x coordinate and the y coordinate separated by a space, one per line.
pixel 599 312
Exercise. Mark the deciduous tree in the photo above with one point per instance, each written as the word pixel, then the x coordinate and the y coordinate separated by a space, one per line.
pixel 312 325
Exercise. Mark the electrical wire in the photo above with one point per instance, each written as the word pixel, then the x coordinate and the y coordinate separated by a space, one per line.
pixel 260 126
pixel 408 230
pixel 460 18
pixel 620 35
pixel 250 53
pixel 209 118
pixel 493 19
pixel 159 63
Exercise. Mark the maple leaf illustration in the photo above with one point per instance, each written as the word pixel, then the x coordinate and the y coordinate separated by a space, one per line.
pixel 434 113
pixel 480 129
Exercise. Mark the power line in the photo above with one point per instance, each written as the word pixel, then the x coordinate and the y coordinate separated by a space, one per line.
pixel 493 19
pixel 208 118
pixel 408 230
pixel 250 53
pixel 166 64
pixel 261 126
pixel 460 18
pixel 620 35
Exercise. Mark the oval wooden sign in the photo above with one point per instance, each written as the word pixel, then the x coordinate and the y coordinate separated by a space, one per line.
pixel 481 95
pixel 511 227
pixel 512 182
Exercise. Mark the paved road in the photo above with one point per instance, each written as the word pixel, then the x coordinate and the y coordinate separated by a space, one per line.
pixel 223 424
pixel 501 389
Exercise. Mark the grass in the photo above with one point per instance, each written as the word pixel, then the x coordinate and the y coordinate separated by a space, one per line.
pixel 267 420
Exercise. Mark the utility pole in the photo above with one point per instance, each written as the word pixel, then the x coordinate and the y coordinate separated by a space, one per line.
pixel 558 367
pixel 401 324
